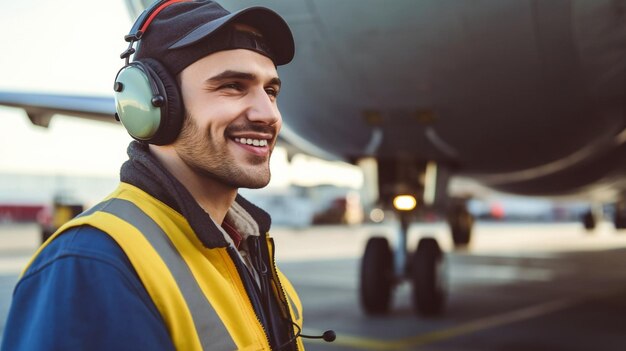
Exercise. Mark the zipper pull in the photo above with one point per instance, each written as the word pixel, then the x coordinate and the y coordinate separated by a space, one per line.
pixel 257 256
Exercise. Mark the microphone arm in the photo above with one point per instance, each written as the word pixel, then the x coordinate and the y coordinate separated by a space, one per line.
pixel 328 336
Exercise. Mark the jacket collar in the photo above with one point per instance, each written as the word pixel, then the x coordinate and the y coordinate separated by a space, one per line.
pixel 144 171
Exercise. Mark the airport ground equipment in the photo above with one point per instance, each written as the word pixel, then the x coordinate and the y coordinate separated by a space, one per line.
pixel 53 217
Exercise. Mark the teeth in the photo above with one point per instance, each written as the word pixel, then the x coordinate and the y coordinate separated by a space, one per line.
pixel 254 142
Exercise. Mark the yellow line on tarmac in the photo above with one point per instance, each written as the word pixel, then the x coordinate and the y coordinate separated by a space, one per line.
pixel 467 328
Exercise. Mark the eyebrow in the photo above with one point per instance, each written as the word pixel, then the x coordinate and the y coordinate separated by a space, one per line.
pixel 239 75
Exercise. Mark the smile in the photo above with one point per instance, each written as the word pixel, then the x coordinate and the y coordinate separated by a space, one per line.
pixel 253 142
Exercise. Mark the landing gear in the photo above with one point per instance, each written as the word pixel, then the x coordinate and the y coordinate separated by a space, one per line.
pixel 413 188
pixel 461 222
pixel 377 277
pixel 382 270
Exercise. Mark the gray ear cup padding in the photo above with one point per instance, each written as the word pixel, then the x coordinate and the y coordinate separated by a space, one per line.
pixel 172 109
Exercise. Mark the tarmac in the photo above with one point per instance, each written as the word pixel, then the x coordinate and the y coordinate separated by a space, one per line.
pixel 519 286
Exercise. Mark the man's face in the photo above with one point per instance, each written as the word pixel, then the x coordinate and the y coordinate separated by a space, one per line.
pixel 232 117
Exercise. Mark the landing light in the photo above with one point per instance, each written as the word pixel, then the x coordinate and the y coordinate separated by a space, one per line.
pixel 404 202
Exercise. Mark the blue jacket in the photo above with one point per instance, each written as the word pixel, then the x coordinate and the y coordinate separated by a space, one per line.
pixel 81 279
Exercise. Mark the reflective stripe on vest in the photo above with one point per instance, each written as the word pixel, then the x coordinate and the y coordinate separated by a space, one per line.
pixel 209 327
pixel 190 319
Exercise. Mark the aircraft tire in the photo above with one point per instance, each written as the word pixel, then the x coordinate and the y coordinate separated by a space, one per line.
pixel 461 237
pixel 428 278
pixel 620 221
pixel 461 223
pixel 589 221
pixel 377 277
pixel 619 218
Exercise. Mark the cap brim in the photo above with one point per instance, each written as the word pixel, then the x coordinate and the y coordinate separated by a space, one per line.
pixel 275 30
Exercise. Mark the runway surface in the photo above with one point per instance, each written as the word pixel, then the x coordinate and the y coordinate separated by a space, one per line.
pixel 518 287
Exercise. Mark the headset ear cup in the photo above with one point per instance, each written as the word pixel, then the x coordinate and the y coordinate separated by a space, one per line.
pixel 134 90
pixel 172 112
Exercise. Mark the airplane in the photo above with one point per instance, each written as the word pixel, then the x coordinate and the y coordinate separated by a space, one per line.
pixel 525 97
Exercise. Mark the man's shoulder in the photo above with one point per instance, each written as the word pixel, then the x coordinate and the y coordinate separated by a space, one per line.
pixel 84 243
pixel 75 260
pixel 82 293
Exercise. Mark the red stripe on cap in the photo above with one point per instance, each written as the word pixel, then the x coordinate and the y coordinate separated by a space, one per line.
pixel 156 12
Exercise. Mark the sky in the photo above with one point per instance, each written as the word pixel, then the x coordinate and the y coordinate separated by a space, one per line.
pixel 73 47
pixel 61 47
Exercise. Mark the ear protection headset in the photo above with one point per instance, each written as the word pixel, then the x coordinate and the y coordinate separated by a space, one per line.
pixel 147 99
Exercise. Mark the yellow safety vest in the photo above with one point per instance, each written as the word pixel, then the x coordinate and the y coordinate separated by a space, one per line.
pixel 197 290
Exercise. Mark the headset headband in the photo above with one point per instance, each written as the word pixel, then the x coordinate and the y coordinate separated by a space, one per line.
pixel 142 23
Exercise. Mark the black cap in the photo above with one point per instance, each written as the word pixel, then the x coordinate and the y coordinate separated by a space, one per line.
pixel 184 32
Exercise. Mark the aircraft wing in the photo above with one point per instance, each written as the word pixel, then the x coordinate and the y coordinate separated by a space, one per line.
pixel 41 107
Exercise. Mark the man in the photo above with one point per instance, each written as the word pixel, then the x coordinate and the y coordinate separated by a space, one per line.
pixel 175 258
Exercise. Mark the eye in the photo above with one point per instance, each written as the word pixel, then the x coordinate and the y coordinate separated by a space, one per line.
pixel 232 85
pixel 271 91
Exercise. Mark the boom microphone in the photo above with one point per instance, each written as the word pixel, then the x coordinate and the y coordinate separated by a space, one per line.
pixel 328 336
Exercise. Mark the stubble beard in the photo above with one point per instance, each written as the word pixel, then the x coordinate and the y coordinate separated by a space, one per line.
pixel 212 159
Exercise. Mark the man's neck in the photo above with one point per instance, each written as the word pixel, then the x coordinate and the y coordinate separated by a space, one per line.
pixel 212 196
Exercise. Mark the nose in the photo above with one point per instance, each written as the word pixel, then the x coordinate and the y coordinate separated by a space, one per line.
pixel 263 109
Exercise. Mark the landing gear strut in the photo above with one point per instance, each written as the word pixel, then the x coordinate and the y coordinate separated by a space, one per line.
pixel 412 188
pixel 382 270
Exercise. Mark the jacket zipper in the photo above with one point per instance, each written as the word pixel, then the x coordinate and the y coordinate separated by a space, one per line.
pixel 283 299
pixel 240 270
